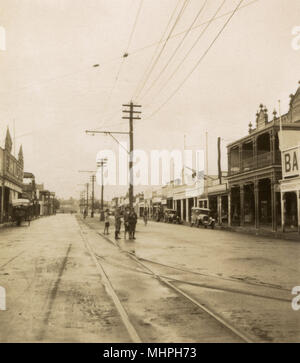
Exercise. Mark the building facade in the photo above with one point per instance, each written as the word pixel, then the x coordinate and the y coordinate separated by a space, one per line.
pixel 254 169
pixel 11 178
pixel 290 189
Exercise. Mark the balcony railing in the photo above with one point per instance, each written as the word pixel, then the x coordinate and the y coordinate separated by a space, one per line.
pixel 260 161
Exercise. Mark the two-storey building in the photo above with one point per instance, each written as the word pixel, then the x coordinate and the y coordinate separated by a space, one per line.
pixel 254 168
pixel 11 177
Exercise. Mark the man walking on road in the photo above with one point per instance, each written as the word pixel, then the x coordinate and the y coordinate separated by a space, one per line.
pixel 145 216
pixel 106 222
pixel 132 224
pixel 117 224
pixel 126 223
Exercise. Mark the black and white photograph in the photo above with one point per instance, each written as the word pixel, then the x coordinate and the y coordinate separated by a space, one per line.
pixel 149 174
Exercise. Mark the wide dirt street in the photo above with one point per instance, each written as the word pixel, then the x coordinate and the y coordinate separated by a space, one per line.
pixel 64 282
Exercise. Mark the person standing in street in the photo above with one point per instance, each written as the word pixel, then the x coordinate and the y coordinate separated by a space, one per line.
pixel 132 224
pixel 126 223
pixel 145 216
pixel 117 224
pixel 106 222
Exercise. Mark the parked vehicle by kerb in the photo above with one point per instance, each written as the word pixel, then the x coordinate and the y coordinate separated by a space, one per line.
pixel 202 217
pixel 22 211
pixel 169 215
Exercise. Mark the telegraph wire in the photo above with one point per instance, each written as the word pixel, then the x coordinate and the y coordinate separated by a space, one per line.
pixel 134 25
pixel 198 62
pixel 138 50
pixel 156 49
pixel 125 55
pixel 183 8
pixel 194 28
pixel 176 49
pixel 190 50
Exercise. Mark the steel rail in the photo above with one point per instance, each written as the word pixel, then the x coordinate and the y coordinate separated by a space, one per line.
pixel 216 317
pixel 109 288
pixel 223 322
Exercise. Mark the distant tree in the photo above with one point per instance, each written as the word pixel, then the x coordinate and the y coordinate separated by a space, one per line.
pixel 56 204
pixel 97 204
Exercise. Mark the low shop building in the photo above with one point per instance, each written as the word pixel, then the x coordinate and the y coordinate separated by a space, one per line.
pixel 47 203
pixel 30 192
pixel 11 178
pixel 218 201
pixel 290 189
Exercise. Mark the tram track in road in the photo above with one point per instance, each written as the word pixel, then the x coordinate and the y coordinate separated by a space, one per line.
pixel 192 272
pixel 111 291
pixel 244 337
pixel 240 282
pixel 166 281
pixel 230 279
pixel 11 259
pixel 192 283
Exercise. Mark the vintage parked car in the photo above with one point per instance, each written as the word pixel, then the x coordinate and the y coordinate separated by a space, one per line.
pixel 22 211
pixel 202 217
pixel 171 216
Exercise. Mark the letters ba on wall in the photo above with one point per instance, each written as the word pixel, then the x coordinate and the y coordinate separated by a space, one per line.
pixel 290 162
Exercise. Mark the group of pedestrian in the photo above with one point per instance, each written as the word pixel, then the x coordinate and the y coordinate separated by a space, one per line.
pixel 130 221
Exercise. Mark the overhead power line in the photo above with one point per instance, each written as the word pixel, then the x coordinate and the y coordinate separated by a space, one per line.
pixel 198 62
pixel 183 8
pixel 190 50
pixel 108 61
pixel 125 55
pixel 176 49
pixel 175 35
pixel 156 49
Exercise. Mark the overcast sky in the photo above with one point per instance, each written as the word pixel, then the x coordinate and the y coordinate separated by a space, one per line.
pixel 53 94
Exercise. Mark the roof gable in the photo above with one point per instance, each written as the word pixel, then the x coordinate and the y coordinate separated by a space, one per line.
pixel 295 106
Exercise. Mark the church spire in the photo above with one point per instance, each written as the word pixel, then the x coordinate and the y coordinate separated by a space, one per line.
pixel 20 156
pixel 8 141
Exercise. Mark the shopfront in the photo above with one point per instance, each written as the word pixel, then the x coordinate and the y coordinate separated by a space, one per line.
pixel 290 189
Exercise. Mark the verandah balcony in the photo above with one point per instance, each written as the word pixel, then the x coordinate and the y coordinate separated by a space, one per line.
pixel 256 162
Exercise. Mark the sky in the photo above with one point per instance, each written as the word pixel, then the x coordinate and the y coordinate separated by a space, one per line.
pixel 50 93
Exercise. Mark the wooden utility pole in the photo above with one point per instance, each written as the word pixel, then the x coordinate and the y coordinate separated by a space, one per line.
pixel 131 117
pixel 131 111
pixel 101 165
pixel 219 161
pixel 87 198
pixel 93 178
pixel 206 152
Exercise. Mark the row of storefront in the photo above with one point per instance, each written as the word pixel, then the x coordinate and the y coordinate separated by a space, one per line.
pixel 262 186
pixel 15 184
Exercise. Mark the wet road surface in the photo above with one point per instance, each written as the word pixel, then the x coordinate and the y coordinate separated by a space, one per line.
pixel 65 282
